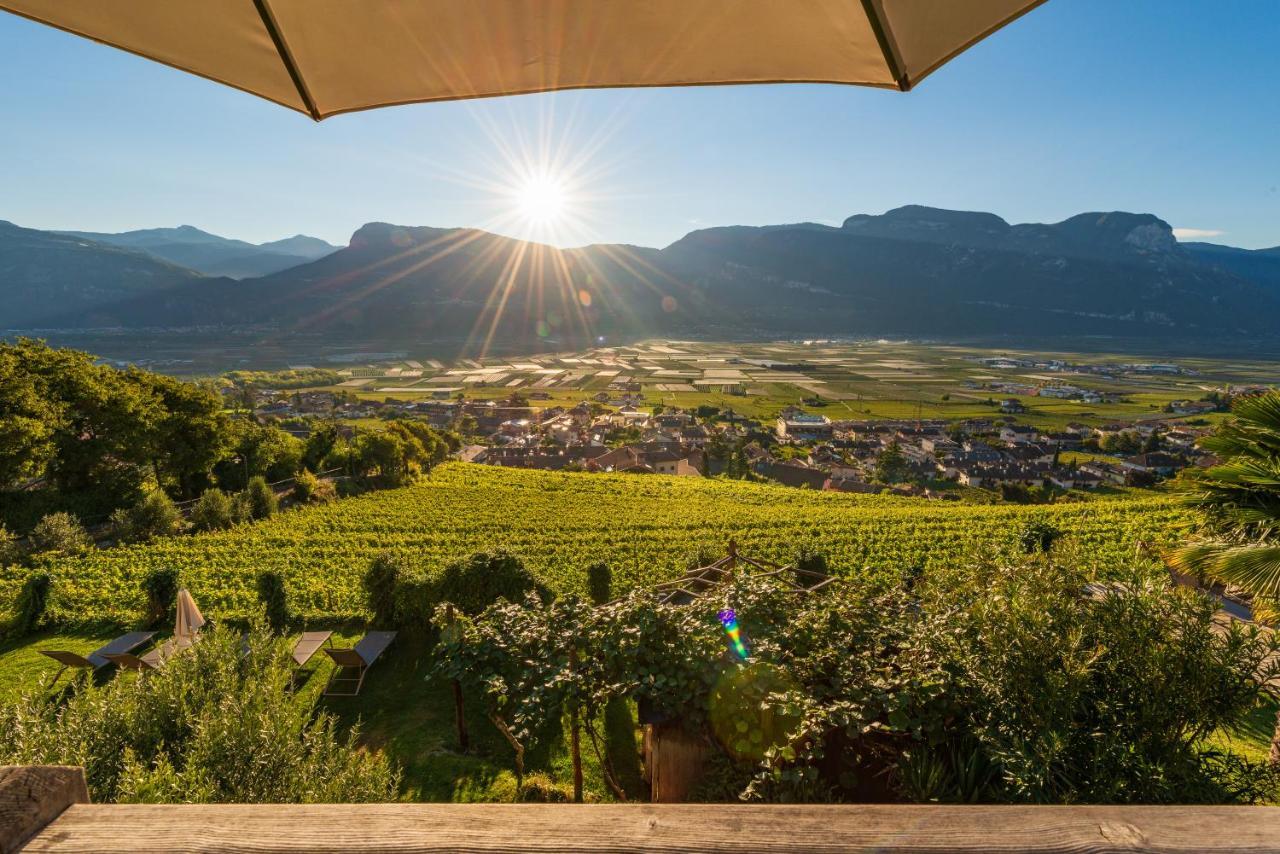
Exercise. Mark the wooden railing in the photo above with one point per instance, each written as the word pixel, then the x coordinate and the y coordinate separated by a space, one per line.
pixel 46 809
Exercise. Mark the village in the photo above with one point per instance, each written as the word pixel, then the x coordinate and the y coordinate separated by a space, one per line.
pixel 932 458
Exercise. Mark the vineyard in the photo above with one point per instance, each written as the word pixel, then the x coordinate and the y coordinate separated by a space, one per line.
pixel 646 528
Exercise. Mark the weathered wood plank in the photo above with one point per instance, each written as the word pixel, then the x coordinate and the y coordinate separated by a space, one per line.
pixel 662 828
pixel 31 796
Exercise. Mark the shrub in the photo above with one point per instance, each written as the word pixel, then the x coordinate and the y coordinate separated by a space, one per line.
pixel 275 602
pixel 476 582
pixel 308 488
pixel 241 508
pixel 213 511
pixel 180 735
pixel 29 607
pixel 809 560
pixel 386 573
pixel 1038 537
pixel 599 583
pixel 161 589
pixel 153 516
pixel 60 532
pixel 260 498
pixel 11 553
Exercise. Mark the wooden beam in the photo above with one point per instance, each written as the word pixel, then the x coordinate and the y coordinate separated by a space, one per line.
pixel 31 796
pixel 885 829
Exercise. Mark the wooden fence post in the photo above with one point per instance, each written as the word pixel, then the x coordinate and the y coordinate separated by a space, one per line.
pixel 31 796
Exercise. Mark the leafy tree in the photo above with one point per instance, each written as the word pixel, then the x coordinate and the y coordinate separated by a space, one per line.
pixel 27 421
pixel 260 449
pixel 190 435
pixel 100 422
pixel 320 443
pixel 891 465
pixel 386 454
pixel 60 532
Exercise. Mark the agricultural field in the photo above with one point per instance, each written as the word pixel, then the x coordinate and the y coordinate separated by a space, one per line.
pixel 851 380
pixel 644 527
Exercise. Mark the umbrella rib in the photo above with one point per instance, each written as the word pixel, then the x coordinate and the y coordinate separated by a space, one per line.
pixel 273 30
pixel 879 26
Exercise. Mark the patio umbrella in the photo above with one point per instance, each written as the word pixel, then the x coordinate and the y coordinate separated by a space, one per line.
pixel 189 618
pixel 324 57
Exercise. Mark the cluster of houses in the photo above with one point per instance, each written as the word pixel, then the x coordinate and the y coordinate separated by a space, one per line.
pixel 982 453
pixel 811 451
pixel 615 432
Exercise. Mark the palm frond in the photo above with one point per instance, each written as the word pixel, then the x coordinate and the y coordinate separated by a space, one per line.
pixel 1255 566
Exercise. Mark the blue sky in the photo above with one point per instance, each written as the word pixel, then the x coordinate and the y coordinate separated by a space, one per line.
pixel 1163 106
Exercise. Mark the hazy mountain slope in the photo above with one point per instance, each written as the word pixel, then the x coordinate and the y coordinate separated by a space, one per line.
pixel 919 270
pixel 217 256
pixel 48 278
pixel 458 284
pixel 1259 265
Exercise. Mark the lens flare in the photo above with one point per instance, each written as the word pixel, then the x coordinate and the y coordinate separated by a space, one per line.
pixel 729 620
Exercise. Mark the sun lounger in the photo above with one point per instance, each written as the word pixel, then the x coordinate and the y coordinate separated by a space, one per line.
pixel 152 659
pixel 308 645
pixel 100 657
pixel 358 658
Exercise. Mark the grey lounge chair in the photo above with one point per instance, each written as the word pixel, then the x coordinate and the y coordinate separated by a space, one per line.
pixel 100 657
pixel 308 645
pixel 152 659
pixel 358 658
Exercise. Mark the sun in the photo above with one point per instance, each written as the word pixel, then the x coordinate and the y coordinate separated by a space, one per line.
pixel 542 200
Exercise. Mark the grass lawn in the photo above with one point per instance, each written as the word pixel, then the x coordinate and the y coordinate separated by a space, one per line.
pixel 402 711
pixel 1253 740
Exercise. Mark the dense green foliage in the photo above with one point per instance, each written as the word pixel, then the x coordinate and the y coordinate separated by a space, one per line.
pixel 214 725
pixel 275 602
pixel 152 516
pixel 32 600
pixel 160 587
pixel 92 430
pixel 990 682
pixel 81 437
pixel 400 592
pixel 560 523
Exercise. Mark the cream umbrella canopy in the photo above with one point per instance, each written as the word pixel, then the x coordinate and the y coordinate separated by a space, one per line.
pixel 189 620
pixel 324 57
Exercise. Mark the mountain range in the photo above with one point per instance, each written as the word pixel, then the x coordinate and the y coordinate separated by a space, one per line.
pixel 212 255
pixel 913 271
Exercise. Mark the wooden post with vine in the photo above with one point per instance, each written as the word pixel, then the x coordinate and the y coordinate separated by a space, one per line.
pixel 459 711
pixel 575 734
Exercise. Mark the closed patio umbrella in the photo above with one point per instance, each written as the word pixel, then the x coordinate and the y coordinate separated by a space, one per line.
pixel 189 618
pixel 324 57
